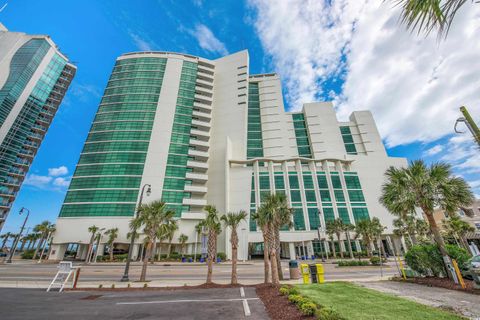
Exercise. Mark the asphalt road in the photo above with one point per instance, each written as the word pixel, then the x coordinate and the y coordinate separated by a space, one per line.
pixel 199 304
pixel 183 273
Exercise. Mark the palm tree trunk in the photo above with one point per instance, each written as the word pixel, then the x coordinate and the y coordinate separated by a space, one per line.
pixel 465 243
pixel 234 240
pixel 340 245
pixel 159 250
pixel 273 257
pixel 211 255
pixel 4 242
pixel 38 247
pixel 169 248
pixel 333 249
pixel 143 275
pixel 24 241
pixel 154 251
pixel 266 262
pixel 368 247
pixel 347 234
pixel 440 242
pixel 278 249
pixel 111 252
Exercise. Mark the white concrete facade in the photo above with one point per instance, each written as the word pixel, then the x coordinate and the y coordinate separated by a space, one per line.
pixel 221 173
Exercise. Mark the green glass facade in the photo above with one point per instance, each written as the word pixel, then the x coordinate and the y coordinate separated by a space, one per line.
pixel 108 175
pixel 348 140
pixel 254 133
pixel 301 135
pixel 176 170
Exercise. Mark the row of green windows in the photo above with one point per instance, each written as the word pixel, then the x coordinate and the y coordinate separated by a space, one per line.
pixel 139 67
pixel 132 115
pixel 301 134
pixel 254 134
pixel 131 98
pixel 348 140
pixel 137 157
pixel 134 82
pixel 119 135
pixel 137 75
pixel 109 169
pixel 140 107
pixel 174 196
pixel 96 210
pixel 111 195
pixel 122 125
pixel 105 182
pixel 133 89
pixel 141 60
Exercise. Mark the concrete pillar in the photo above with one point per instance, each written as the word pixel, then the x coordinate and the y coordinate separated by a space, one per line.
pixel 80 249
pixel 404 244
pixel 291 250
pixel 100 250
pixel 136 247
pixel 58 251
pixel 358 246
pixel 310 249
pixel 341 244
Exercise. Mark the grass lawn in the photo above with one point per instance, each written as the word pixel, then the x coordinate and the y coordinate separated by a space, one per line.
pixel 354 302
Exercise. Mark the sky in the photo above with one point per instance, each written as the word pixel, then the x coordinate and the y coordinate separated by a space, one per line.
pixel 354 53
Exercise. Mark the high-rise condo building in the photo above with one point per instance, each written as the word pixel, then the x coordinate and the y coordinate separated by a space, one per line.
pixel 207 132
pixel 34 76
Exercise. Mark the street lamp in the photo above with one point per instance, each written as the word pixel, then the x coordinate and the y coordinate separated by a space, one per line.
pixel 134 232
pixel 15 242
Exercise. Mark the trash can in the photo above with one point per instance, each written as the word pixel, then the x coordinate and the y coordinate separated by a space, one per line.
pixel 320 273
pixel 313 273
pixel 293 268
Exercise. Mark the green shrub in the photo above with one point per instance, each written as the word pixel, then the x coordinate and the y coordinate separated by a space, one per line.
pixel 119 257
pixel 222 256
pixel 307 308
pixel 28 254
pixel 293 290
pixel 375 261
pixel 352 263
pixel 295 298
pixel 426 259
pixel 284 291
pixel 327 314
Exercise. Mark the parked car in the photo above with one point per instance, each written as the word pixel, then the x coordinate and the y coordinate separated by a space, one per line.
pixel 473 263
pixel 3 254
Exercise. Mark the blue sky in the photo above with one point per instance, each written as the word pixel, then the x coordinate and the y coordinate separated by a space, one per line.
pixel 353 53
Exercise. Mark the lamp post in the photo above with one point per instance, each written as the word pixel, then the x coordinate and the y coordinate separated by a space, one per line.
pixel 15 242
pixel 134 233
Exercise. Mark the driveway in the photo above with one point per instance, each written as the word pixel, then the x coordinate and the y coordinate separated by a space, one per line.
pixel 224 303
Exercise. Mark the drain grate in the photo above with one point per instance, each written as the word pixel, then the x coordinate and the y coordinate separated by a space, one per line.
pixel 91 297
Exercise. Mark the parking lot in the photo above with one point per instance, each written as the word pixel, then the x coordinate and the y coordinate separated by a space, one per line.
pixel 217 303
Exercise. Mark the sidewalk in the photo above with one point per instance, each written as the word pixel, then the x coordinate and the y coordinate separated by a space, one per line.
pixel 462 303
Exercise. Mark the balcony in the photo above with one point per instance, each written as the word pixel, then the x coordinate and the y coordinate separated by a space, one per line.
pixel 194 202
pixel 5 192
pixel 43 121
pixel 35 136
pixel 39 128
pixel 21 163
pixel 196 215
pixel 29 154
pixel 197 165
pixel 201 124
pixel 200 133
pixel 204 84
pixel 30 145
pixel 200 144
pixel 11 182
pixel 199 155
pixel 16 172
pixel 202 106
pixel 200 177
pixel 47 113
pixel 202 115
pixel 196 189
pixel 203 99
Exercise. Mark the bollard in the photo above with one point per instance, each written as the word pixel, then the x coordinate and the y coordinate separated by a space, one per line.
pixel 320 273
pixel 305 273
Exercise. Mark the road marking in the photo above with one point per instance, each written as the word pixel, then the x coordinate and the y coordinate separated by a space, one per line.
pixel 246 308
pixel 242 292
pixel 183 301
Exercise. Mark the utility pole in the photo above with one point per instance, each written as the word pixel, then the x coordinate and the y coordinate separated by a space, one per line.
pixel 471 125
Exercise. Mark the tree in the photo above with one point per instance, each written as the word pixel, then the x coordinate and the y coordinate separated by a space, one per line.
pixel 233 220
pixel 458 229
pixel 161 235
pixel 427 188
pixel 166 230
pixel 5 238
pixel 364 229
pixel 112 236
pixel 338 226
pixel 42 228
pixel 428 15
pixel 182 239
pixel 93 230
pixel 171 228
pixel 330 229
pixel 347 228
pixel 150 216
pixel 260 219
pixel 213 226
pixel 400 230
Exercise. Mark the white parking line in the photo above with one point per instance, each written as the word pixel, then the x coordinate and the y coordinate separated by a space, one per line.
pixel 246 308
pixel 242 292
pixel 183 301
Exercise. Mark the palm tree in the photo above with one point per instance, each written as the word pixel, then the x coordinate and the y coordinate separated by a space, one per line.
pixel 150 217
pixel 458 229
pixel 365 231
pixel 213 226
pixel 112 236
pixel 377 229
pixel 428 15
pixel 347 228
pixel 93 230
pixel 161 235
pixel 338 226
pixel 427 188
pixel 182 239
pixel 330 229
pixel 233 220
pixel 43 229
pixel 260 219
pixel 5 238
pixel 172 227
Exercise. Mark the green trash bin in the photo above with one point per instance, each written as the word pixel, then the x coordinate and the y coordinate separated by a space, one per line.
pixel 293 269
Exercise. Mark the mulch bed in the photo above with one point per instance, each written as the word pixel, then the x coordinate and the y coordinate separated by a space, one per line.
pixel 278 307
pixel 442 283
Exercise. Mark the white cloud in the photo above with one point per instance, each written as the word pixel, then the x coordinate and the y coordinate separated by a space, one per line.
pixel 37 180
pixel 207 40
pixel 60 171
pixel 141 43
pixel 412 84
pixel 61 182
pixel 433 150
